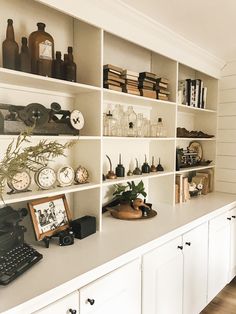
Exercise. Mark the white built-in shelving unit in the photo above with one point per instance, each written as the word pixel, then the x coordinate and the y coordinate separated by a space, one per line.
pixel 94 47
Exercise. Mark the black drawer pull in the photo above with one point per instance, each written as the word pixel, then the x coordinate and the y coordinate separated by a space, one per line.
pixel 228 218
pixel 188 243
pixel 234 217
pixel 180 247
pixel 72 311
pixel 91 301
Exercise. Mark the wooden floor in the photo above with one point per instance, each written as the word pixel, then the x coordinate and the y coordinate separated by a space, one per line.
pixel 224 302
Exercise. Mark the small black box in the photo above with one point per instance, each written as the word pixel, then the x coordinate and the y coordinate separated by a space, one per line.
pixel 83 227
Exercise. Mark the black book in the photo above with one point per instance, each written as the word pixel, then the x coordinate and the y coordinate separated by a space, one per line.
pixel 188 83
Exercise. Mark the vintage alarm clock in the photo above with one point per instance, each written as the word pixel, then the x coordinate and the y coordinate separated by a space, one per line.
pixel 65 176
pixel 20 182
pixel 45 178
pixel 76 119
pixel 81 175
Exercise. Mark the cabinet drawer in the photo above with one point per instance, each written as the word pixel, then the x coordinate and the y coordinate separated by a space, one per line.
pixel 118 292
pixel 66 305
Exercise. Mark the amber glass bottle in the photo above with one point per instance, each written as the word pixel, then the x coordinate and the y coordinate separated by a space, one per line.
pixel 10 48
pixel 70 67
pixel 57 66
pixel 24 59
pixel 41 46
pixel 65 62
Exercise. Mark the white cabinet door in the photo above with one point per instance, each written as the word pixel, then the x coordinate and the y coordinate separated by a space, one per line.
pixel 219 249
pixel 116 293
pixel 67 305
pixel 163 279
pixel 232 270
pixel 195 248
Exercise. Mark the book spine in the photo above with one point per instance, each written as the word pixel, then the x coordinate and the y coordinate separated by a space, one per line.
pixel 188 91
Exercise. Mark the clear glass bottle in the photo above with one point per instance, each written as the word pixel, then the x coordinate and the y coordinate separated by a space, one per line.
pixel 161 130
pixel 132 119
pixel 41 46
pixel 140 126
pixel 10 48
pixel 24 58
pixel 70 66
pixel 111 124
pixel 153 128
pixel 57 66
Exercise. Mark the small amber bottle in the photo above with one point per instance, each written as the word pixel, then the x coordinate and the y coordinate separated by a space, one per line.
pixel 70 67
pixel 10 48
pixel 57 66
pixel 41 46
pixel 24 59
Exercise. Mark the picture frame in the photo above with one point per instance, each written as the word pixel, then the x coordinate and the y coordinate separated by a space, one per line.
pixel 49 215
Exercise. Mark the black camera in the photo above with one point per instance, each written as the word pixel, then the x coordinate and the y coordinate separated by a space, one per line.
pixel 66 237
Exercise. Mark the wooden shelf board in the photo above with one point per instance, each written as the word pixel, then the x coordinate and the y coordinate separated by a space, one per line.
pixel 28 80
pixel 135 99
pixel 26 196
pixel 183 170
pixel 136 178
pixel 184 108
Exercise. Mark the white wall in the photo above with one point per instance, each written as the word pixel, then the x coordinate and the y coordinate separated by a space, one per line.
pixel 226 143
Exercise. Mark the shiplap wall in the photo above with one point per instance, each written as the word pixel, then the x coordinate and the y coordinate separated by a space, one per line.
pixel 226 139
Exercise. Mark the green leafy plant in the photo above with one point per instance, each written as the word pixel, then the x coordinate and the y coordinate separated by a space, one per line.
pixel 129 192
pixel 18 156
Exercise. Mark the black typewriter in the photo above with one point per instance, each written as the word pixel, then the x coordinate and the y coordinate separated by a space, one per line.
pixel 16 256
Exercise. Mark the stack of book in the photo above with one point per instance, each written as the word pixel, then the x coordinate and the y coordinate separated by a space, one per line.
pixel 112 78
pixel 162 88
pixel 147 83
pixel 131 82
pixel 192 93
pixel 181 189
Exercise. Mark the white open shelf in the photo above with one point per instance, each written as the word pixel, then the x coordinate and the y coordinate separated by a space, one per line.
pixel 28 80
pixel 119 138
pixel 190 139
pixel 185 108
pixel 133 99
pixel 137 177
pixel 27 196
pixel 189 169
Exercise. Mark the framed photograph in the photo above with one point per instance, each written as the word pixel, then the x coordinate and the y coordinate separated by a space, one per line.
pixel 49 215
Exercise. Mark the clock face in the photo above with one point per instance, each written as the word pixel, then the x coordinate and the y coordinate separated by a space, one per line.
pixel 77 119
pixel 45 178
pixel 20 182
pixel 81 175
pixel 65 176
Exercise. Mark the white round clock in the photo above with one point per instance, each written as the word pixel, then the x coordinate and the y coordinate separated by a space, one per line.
pixel 77 119
pixel 65 176
pixel 81 175
pixel 20 182
pixel 45 178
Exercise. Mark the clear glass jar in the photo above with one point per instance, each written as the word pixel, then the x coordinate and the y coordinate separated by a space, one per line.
pixel 111 124
pixel 140 129
pixel 161 130
pixel 132 119
pixel 153 131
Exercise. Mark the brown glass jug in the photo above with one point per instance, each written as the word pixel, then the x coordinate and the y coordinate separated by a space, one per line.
pixel 10 48
pixel 41 46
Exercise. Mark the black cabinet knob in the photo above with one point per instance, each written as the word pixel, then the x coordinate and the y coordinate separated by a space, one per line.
pixel 180 247
pixel 91 301
pixel 188 243
pixel 234 217
pixel 72 311
pixel 228 218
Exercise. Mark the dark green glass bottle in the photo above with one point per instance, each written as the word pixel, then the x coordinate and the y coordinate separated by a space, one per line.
pixel 57 66
pixel 70 67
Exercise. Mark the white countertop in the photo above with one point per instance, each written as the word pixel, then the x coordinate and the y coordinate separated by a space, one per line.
pixel 65 269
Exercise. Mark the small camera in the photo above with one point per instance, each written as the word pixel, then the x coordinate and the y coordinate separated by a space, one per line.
pixel 66 237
